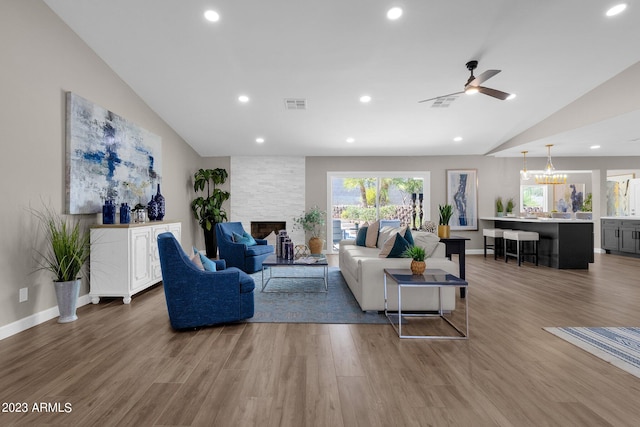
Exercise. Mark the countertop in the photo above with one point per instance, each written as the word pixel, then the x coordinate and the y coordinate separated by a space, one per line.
pixel 631 218
pixel 541 220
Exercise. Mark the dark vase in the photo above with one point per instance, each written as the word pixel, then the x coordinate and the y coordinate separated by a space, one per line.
pixel 211 242
pixel 125 213
pixel 159 198
pixel 109 212
pixel 152 209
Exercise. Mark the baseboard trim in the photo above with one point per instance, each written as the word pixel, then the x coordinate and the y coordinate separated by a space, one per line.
pixel 36 319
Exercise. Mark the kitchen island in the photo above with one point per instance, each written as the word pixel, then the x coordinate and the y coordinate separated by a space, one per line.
pixel 564 243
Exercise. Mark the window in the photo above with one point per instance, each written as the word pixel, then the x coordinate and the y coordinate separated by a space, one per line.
pixel 357 197
pixel 534 199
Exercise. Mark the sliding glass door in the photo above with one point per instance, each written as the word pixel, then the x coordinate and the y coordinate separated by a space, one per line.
pixel 357 198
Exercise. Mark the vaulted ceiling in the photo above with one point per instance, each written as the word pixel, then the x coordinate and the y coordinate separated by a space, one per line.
pixel 575 73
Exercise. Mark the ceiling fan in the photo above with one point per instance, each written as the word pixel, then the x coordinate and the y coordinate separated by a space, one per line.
pixel 473 84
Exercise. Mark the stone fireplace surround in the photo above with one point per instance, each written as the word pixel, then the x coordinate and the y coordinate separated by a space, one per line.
pixel 269 189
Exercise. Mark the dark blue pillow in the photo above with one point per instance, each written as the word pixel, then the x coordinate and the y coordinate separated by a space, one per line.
pixel 399 247
pixel 361 237
pixel 409 237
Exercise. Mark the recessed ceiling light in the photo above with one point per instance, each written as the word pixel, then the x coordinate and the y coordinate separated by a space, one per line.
pixel 619 8
pixel 594 147
pixel 394 13
pixel 511 96
pixel 365 98
pixel 212 15
pixel 259 140
pixel 243 98
pixel 351 140
pixel 457 139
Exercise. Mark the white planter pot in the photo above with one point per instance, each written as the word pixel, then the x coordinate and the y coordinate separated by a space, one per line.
pixel 67 295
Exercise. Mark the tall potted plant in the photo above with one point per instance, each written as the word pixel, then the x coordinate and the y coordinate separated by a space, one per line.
pixel 446 211
pixel 208 210
pixel 68 247
pixel 313 222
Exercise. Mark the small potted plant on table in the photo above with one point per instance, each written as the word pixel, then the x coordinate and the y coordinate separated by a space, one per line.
pixel 417 255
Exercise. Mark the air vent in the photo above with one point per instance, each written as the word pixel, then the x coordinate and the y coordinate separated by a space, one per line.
pixel 443 102
pixel 295 104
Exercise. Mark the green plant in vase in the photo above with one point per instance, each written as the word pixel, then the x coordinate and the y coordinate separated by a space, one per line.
pixel 446 212
pixel 510 206
pixel 313 221
pixel 499 206
pixel 208 210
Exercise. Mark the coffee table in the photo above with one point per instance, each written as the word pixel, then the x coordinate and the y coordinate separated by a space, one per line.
pixel 314 261
pixel 432 278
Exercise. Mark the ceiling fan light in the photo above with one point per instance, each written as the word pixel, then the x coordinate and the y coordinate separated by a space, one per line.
pixel 470 90
pixel 511 96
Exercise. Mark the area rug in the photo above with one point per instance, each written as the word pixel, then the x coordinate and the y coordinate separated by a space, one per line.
pixel 618 346
pixel 301 300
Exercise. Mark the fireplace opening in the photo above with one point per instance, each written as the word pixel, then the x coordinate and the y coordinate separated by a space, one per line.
pixel 261 229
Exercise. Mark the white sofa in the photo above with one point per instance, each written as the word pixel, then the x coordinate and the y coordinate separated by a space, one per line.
pixel 362 269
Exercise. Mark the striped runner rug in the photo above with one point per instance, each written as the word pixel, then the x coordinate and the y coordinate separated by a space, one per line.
pixel 618 346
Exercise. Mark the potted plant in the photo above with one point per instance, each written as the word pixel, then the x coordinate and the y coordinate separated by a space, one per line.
pixel 586 208
pixel 313 222
pixel 208 210
pixel 510 207
pixel 417 255
pixel 446 211
pixel 68 247
pixel 499 206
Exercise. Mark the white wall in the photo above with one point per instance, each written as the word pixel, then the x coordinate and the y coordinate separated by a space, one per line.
pixel 42 59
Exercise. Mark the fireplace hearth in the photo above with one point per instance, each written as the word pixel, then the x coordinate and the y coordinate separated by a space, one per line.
pixel 261 229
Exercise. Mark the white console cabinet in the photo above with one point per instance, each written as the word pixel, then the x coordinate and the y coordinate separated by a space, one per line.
pixel 124 258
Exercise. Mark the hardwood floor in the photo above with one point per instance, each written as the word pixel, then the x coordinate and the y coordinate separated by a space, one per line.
pixel 123 365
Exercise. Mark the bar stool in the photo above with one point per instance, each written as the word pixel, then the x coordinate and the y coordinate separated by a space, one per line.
pixel 497 246
pixel 520 237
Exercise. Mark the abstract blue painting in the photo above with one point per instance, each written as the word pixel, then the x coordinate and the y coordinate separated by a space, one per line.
pixel 462 195
pixel 108 158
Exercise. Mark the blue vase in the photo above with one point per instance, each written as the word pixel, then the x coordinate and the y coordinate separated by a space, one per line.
pixel 125 214
pixel 159 198
pixel 152 209
pixel 109 212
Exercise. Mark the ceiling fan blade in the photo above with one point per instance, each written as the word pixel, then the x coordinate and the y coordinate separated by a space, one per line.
pixel 442 96
pixel 478 80
pixel 493 92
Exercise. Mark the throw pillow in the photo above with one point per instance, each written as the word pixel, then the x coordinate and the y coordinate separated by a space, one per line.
pixel 208 264
pixel 361 237
pixel 394 247
pixel 195 259
pixel 428 241
pixel 409 237
pixel 389 231
pixel 245 239
pixel 372 235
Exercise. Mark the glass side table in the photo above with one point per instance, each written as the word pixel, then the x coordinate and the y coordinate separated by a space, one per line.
pixel 432 278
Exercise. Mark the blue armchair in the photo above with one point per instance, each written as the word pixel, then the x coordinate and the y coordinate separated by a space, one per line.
pixel 246 258
pixel 199 298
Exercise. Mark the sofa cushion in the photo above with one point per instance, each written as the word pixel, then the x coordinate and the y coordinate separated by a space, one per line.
pixel 247 284
pixel 258 250
pixel 361 237
pixel 388 232
pixel 195 259
pixel 372 235
pixel 428 241
pixel 409 237
pixel 394 247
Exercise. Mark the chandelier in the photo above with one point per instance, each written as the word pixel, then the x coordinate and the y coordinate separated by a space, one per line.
pixel 549 176
pixel 524 173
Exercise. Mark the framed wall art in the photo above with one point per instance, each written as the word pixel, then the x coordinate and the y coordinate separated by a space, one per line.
pixel 462 194
pixel 108 158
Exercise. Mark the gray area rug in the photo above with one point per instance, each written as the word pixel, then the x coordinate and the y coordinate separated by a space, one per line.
pixel 303 300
